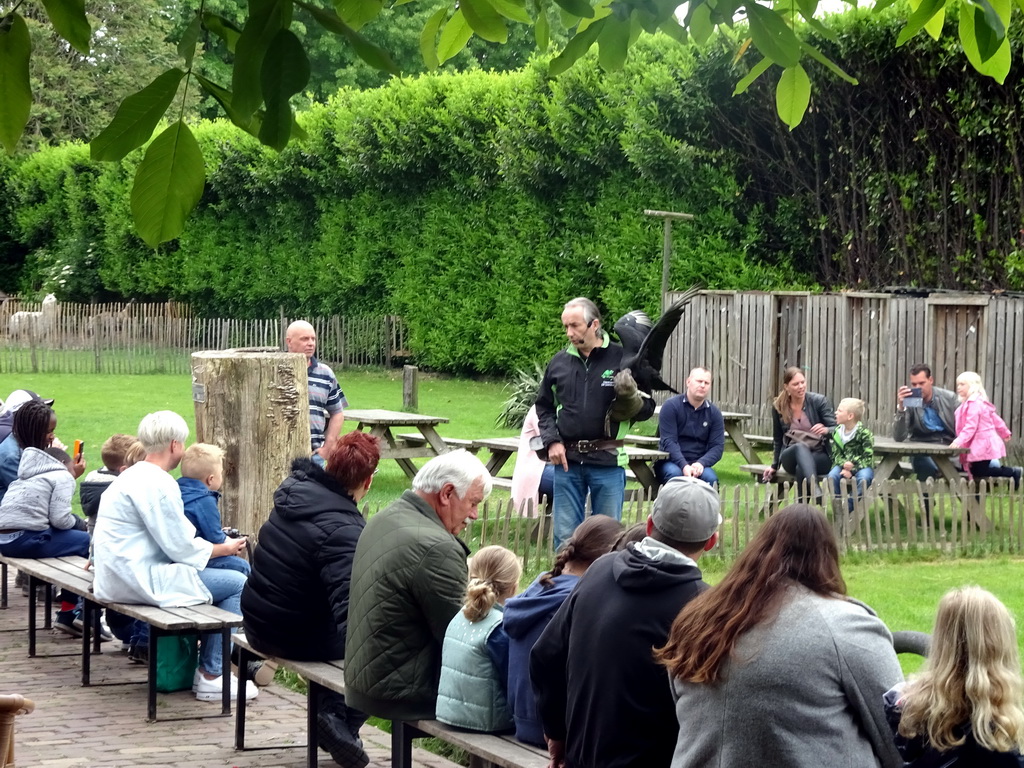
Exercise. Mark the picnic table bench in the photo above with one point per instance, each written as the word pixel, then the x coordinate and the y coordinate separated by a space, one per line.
pixel 70 573
pixel 485 749
pixel 381 423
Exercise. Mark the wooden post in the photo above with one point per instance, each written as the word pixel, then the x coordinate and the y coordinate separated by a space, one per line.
pixel 410 389
pixel 666 248
pixel 254 405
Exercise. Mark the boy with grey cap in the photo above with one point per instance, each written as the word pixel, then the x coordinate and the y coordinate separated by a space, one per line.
pixel 602 699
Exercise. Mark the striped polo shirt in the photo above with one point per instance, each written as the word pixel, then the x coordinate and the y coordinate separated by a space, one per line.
pixel 325 400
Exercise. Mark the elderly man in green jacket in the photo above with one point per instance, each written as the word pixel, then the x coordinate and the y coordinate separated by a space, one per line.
pixel 408 581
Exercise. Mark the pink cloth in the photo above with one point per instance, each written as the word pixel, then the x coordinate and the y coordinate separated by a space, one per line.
pixel 980 430
pixel 529 467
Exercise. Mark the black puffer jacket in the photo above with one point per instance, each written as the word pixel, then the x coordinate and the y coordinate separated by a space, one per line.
pixel 295 603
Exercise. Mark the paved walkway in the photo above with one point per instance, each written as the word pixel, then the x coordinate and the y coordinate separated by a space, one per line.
pixel 105 724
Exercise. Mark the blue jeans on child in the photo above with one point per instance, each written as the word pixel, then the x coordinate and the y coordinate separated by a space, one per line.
pixel 231 563
pixel 607 486
pixel 53 542
pixel 863 478
pixel 226 587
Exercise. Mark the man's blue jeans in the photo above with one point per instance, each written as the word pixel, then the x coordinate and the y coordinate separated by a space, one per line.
pixel 862 477
pixel 666 470
pixel 53 542
pixel 607 487
pixel 226 588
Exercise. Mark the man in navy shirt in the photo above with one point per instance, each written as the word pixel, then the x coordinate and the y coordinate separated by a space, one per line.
pixel 934 421
pixel 692 432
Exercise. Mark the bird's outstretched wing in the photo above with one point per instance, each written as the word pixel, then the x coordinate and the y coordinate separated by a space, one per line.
pixel 632 328
pixel 652 349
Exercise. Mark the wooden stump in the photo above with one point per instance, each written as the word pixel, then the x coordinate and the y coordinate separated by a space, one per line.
pixel 254 405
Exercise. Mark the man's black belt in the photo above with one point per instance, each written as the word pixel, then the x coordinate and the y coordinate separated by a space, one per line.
pixel 589 446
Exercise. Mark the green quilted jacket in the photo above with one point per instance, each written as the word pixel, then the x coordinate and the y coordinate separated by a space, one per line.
pixel 408 581
pixel 860 449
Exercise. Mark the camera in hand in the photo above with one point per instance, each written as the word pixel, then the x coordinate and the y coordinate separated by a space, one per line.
pixel 915 400
pixel 232 533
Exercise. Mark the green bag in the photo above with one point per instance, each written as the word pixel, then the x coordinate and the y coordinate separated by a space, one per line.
pixel 176 661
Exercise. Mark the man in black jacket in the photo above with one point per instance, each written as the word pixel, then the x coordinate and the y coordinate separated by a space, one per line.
pixel 295 603
pixel 575 410
pixel 603 700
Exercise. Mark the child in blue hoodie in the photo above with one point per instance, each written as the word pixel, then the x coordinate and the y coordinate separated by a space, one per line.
pixel 202 473
pixel 527 615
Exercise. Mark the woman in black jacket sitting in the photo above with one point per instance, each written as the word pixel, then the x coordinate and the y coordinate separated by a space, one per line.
pixel 801 421
pixel 295 603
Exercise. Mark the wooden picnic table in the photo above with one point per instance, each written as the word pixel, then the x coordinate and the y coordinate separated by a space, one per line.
pixel 382 422
pixel 640 460
pixel 892 451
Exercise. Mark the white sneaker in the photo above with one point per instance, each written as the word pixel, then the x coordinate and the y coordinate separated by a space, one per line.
pixel 211 690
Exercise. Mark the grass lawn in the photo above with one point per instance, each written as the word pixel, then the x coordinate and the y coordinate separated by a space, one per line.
pixel 904 589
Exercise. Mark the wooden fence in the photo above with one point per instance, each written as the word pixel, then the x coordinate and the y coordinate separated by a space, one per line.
pixel 136 338
pixel 891 517
pixel 850 345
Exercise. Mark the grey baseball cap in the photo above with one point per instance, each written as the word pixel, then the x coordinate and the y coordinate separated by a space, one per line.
pixel 687 509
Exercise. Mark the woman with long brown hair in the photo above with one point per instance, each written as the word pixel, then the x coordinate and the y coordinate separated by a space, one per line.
pixel 776 665
pixel 801 420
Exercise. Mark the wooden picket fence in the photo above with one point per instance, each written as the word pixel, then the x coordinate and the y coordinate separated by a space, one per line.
pixel 136 338
pixel 890 517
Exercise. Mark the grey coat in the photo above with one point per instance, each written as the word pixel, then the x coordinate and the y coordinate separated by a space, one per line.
pixel 41 496
pixel 802 691
pixel 909 425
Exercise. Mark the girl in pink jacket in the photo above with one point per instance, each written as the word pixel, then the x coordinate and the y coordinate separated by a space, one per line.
pixel 981 431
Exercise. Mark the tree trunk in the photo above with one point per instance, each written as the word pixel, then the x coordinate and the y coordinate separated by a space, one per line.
pixel 254 405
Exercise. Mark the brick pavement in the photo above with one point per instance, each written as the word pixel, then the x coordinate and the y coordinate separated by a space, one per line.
pixel 105 724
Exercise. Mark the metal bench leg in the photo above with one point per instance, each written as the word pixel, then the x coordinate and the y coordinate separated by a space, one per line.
pixel 48 602
pixel 154 643
pixel 87 615
pixel 402 735
pixel 244 657
pixel 3 585
pixel 33 582
pixel 312 736
pixel 225 671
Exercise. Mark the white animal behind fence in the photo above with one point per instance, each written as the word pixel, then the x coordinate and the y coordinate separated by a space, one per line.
pixel 33 325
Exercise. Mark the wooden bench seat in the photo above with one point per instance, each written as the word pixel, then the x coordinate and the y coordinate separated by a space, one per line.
pixel 70 573
pixel 485 749
pixel 415 438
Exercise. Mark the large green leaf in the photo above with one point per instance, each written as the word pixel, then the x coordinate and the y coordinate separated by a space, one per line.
pixel 514 10
pixel 919 18
pixel 484 20
pixel 454 36
pixel 700 25
pixel 168 185
pixel 369 52
pixel 15 89
pixel 266 17
pixel 613 44
pixel 934 25
pixel 222 28
pixel 577 46
pixel 773 36
pixel 69 21
pixel 136 118
pixel 748 79
pixel 821 58
pixel 428 38
pixel 997 64
pixel 792 95
pixel 285 73
pixel 672 28
pixel 223 97
pixel 579 8
pixel 356 13
pixel 190 39
pixel 542 31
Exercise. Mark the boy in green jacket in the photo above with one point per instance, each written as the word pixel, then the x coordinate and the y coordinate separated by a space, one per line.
pixel 852 447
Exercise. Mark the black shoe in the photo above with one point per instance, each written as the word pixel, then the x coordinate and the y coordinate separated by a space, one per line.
pixel 65 622
pixel 1017 471
pixel 139 654
pixel 334 736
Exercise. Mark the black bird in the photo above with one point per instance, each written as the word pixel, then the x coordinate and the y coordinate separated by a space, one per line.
pixel 644 342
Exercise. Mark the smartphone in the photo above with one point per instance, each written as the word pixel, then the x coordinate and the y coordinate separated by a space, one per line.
pixel 915 400
pixel 77 452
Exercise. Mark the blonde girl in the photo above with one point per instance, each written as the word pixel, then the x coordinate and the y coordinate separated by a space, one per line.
pixel 980 431
pixel 965 708
pixel 474 657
